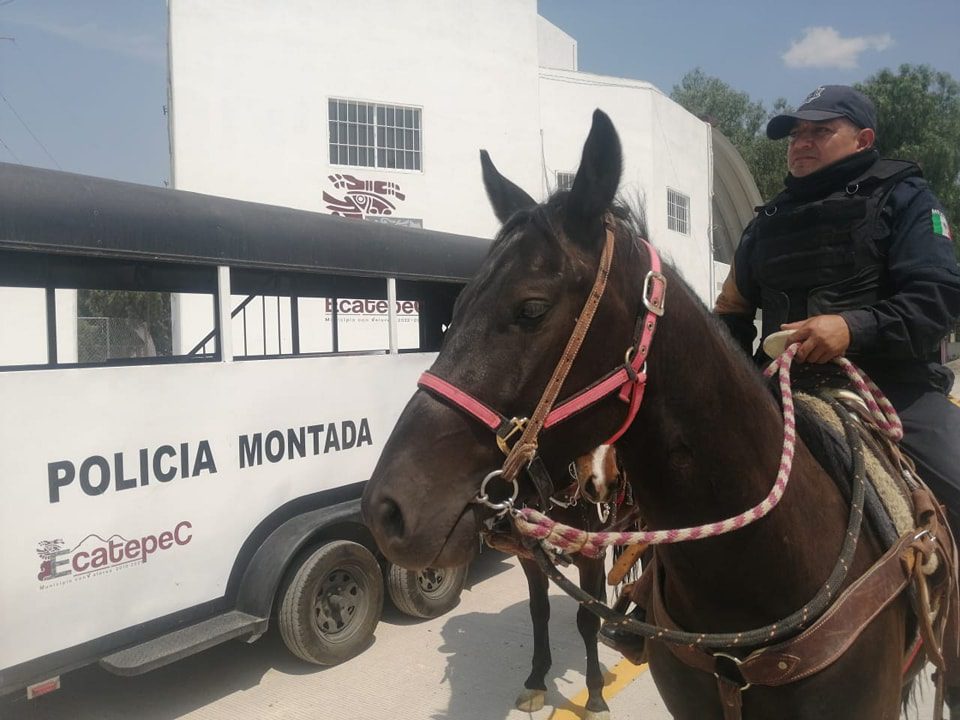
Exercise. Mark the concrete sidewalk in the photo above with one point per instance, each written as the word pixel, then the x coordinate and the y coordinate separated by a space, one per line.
pixel 468 665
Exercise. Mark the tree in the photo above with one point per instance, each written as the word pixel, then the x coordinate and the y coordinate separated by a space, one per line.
pixel 742 120
pixel 918 113
pixel 152 309
pixel 732 111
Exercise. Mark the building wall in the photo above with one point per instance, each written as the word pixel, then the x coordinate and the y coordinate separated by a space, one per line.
pixel 251 80
pixel 556 49
pixel 663 146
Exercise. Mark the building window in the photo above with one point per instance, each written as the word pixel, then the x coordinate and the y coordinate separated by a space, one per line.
pixel 565 180
pixel 678 211
pixel 366 134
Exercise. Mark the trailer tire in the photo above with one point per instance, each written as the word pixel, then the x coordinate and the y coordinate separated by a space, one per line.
pixel 425 593
pixel 331 603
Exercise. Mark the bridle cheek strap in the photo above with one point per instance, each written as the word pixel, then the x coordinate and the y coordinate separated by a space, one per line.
pixel 631 378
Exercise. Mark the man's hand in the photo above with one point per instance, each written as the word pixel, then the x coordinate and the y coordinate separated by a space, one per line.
pixel 823 338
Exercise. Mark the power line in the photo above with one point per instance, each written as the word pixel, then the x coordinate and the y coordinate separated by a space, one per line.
pixel 10 151
pixel 22 122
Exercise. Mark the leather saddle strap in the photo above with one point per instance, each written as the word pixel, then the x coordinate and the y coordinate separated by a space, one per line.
pixel 823 642
pixel 731 697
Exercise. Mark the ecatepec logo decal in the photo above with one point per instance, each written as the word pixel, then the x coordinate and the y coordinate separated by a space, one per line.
pixel 94 556
pixel 362 198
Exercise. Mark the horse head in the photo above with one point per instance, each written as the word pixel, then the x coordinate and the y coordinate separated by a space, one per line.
pixel 508 332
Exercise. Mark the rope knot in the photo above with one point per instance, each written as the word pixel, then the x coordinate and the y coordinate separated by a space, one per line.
pixel 520 456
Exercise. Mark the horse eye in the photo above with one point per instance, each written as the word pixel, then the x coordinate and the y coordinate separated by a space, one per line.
pixel 533 309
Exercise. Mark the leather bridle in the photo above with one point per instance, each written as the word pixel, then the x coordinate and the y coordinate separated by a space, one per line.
pixel 627 380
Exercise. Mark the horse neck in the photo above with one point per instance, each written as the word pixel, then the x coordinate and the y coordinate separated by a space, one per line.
pixel 706 446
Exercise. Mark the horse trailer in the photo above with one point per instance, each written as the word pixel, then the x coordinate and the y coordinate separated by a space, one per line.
pixel 195 391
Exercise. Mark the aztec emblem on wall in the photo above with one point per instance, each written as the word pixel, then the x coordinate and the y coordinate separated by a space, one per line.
pixel 362 198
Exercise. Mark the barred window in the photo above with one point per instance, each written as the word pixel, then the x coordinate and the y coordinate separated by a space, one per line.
pixel 366 134
pixel 678 211
pixel 565 180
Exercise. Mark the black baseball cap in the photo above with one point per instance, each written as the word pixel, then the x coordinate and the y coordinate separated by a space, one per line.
pixel 826 103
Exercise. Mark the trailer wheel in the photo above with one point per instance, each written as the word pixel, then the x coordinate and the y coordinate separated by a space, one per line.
pixel 425 593
pixel 331 603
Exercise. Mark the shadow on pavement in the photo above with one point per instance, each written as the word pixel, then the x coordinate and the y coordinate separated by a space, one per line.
pixel 92 693
pixel 489 656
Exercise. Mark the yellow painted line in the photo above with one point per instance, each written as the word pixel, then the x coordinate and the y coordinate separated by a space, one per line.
pixel 623 673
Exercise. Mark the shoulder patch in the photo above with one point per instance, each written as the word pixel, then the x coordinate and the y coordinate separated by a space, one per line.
pixel 940 224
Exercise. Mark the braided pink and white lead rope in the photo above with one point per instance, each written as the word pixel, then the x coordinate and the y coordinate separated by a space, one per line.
pixel 883 412
pixel 535 524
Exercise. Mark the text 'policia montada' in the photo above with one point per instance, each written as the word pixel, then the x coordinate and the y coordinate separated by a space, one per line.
pixel 127 470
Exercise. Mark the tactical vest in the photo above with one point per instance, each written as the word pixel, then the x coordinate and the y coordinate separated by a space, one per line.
pixel 828 255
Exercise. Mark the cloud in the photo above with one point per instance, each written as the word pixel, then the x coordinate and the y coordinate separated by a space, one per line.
pixel 139 46
pixel 823 47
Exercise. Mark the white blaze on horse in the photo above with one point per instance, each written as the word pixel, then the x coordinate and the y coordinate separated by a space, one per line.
pixel 597 474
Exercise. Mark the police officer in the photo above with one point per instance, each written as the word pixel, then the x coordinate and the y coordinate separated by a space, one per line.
pixel 856 258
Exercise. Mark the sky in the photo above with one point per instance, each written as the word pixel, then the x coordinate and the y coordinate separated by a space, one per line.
pixel 83 82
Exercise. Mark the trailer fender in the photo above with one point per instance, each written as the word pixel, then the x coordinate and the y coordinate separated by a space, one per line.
pixel 266 569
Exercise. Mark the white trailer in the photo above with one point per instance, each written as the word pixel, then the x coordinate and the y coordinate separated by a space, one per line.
pixel 153 506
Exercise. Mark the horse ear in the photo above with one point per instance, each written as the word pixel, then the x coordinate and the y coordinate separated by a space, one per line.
pixel 505 197
pixel 598 177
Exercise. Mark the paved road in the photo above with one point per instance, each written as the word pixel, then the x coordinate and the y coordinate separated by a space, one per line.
pixel 467 665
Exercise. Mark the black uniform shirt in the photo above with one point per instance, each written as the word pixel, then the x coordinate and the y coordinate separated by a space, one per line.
pixel 898 336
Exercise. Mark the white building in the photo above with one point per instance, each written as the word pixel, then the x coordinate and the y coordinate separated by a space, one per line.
pixel 259 93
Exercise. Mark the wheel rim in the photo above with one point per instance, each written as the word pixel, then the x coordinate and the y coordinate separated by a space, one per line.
pixel 338 601
pixel 432 581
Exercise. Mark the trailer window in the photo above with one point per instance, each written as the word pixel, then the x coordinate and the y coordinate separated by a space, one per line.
pixel 281 313
pixel 118 324
pixel 58 310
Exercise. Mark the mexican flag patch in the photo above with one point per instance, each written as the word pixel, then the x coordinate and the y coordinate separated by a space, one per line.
pixel 940 224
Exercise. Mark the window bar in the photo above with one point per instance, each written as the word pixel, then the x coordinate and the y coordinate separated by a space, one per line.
pixel 335 327
pixel 51 299
pixel 279 330
pixel 263 319
pixel 295 324
pixel 224 315
pixel 246 351
pixel 392 314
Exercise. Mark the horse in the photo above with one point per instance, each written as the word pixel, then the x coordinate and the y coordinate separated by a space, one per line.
pixel 594 497
pixel 702 443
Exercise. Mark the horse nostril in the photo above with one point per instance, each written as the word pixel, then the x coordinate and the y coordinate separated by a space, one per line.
pixel 592 489
pixel 391 518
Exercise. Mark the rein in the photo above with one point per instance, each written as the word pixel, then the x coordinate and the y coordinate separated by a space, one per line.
pixel 569 539
pixel 539 526
pixel 747 638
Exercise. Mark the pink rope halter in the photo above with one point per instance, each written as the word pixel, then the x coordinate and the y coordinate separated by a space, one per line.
pixel 535 524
